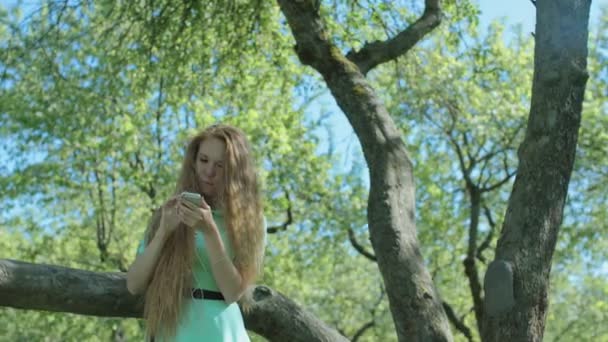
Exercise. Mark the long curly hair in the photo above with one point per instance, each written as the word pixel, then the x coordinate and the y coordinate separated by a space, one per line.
pixel 241 203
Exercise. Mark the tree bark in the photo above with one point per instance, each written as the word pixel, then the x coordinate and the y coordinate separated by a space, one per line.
pixel 54 288
pixel 415 304
pixel 517 280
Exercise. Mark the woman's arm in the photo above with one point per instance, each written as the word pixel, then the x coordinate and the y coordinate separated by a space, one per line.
pixel 140 271
pixel 227 277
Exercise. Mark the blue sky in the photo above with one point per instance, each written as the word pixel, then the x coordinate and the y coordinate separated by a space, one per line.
pixel 522 11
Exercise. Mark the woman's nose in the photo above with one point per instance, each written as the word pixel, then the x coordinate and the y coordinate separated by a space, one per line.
pixel 210 171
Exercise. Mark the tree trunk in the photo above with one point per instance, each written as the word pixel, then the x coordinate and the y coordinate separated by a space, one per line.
pixel 415 304
pixel 61 289
pixel 517 280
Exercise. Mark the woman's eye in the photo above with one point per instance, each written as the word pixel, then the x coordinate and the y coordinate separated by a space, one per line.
pixel 203 160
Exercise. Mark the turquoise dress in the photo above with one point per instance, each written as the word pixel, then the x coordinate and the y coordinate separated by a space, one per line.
pixel 209 320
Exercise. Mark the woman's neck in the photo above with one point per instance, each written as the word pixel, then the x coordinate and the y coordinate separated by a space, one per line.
pixel 213 203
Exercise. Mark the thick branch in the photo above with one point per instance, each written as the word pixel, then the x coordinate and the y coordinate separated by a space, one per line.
pixel 375 53
pixel 60 289
pixel 54 288
pixel 278 318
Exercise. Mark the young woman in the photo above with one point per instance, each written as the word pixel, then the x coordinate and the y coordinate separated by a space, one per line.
pixel 196 261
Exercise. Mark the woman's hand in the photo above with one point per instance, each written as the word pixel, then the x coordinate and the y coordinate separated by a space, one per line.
pixel 169 217
pixel 199 217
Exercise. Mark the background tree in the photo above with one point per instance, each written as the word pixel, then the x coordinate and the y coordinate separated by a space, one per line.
pixel 517 281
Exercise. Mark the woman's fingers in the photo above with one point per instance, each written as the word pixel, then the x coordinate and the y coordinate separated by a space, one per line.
pixel 194 216
pixel 189 214
pixel 185 216
pixel 191 208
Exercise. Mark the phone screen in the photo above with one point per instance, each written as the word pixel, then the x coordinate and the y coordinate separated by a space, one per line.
pixel 192 197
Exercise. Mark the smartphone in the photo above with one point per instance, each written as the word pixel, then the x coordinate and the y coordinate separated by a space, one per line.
pixel 192 197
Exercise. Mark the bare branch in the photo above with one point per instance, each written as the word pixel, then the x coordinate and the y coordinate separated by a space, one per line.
pixel 470 267
pixel 358 247
pixel 472 158
pixel 376 53
pixel 275 229
pixel 362 330
pixel 453 112
pixel 563 332
pixel 60 289
pixel 466 169
pixel 457 323
pixel 499 183
pixel 486 242
pixel 159 138
pixel 372 322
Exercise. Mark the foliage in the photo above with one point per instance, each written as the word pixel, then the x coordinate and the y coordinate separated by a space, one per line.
pixel 98 98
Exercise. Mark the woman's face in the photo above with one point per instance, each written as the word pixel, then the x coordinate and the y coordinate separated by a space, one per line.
pixel 210 167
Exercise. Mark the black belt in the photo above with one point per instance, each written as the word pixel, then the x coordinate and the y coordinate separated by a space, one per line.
pixel 207 294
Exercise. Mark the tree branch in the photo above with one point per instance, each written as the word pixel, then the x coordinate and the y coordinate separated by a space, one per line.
pixel 60 289
pixel 275 229
pixel 278 318
pixel 378 52
pixel 358 247
pixel 486 242
pixel 372 322
pixel 470 267
pixel 563 332
pixel 453 112
pixel 458 324
pixel 499 183
pixel 362 330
